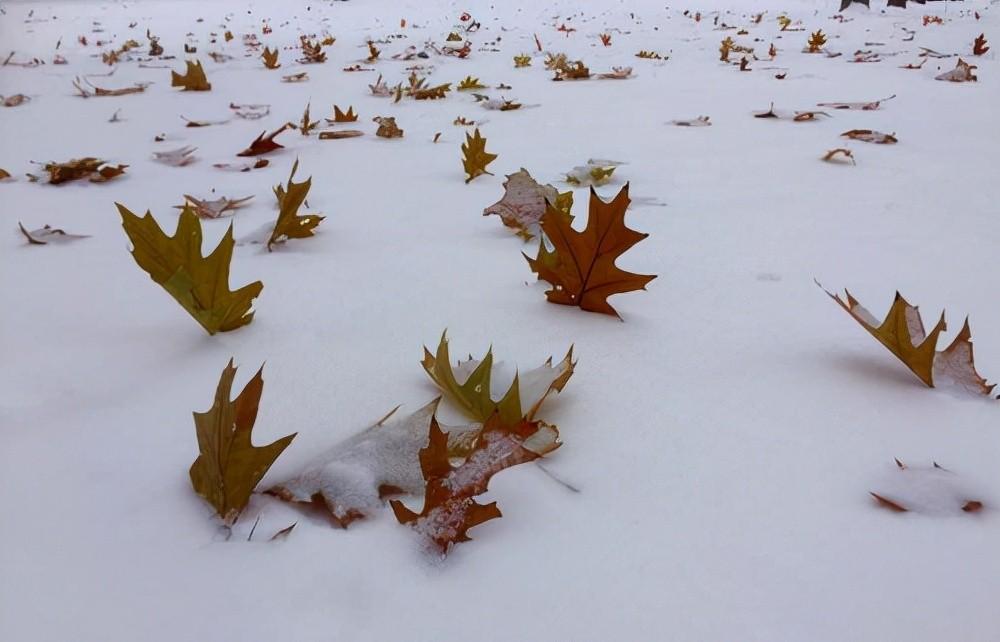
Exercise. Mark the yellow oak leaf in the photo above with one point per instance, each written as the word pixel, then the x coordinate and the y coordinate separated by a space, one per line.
pixel 289 224
pixel 475 158
pixel 193 80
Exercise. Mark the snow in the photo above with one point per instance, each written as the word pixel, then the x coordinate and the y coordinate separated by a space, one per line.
pixel 724 437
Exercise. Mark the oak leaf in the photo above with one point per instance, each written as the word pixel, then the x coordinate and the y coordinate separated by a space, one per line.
pixel 229 466
pixel 387 127
pixel 348 481
pixel 176 157
pixel 929 490
pixel 289 224
pixel 816 41
pixel 312 52
pixel 270 58
pixel 93 169
pixel 450 508
pixel 839 155
pixel 524 202
pixel 264 144
pixel 523 60
pixel 868 106
pixel 193 80
pixel 979 47
pixel 475 158
pixel 305 125
pixel 469 83
pixel 961 73
pixel 471 384
pixel 212 209
pixel 199 284
pixel 871 136
pixel 902 333
pixel 48 234
pixel 581 268
pixel 344 117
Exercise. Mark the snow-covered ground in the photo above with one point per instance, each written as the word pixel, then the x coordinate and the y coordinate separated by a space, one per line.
pixel 724 437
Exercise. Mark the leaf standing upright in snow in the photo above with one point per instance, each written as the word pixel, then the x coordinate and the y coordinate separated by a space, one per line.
pixel 581 268
pixel 475 158
pixel 229 466
pixel 289 224
pixel 193 80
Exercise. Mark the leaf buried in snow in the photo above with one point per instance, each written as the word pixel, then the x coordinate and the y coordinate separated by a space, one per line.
pixel 250 112
pixel 339 134
pixel 839 155
pixel 243 167
pixel 581 268
pixel 472 386
pixel 347 481
pixel 961 73
pixel 93 169
pixel 450 508
pixel 229 466
pixel 616 73
pixel 871 136
pixel 387 127
pixel 700 121
pixel 199 284
pixel 176 157
pixel 475 158
pixel 344 117
pixel 85 89
pixel 193 80
pixel 47 234
pixel 902 333
pixel 14 101
pixel 870 106
pixel 299 77
pixel 524 202
pixel 264 144
pixel 595 172
pixel 203 123
pixel 925 490
pixel 212 209
pixel 289 224
pixel 795 116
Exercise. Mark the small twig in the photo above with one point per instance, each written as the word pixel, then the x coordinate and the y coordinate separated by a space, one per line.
pixel 562 483
pixel 256 521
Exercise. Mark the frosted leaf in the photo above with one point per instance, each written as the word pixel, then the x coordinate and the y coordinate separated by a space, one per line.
pixel 523 203
pixel 346 480
pixel 176 157
pixel 928 490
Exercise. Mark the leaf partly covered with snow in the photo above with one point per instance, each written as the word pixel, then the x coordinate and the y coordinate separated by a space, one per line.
pixel 902 333
pixel 450 508
pixel 349 480
pixel 524 203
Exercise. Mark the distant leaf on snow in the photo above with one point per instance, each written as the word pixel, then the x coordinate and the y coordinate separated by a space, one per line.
pixel 871 136
pixel 475 158
pixel 48 234
pixel 215 208
pixel 961 73
pixel 194 78
pixel 94 170
pixel 265 144
pixel 176 157
pixel 926 490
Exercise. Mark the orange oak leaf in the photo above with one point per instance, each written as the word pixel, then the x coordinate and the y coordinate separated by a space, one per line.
pixel 265 144
pixel 581 268
pixel 902 333
pixel 450 508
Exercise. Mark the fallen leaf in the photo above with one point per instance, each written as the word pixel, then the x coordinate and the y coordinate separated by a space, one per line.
pixel 86 90
pixel 344 117
pixel 243 167
pixel 212 209
pixel 523 60
pixel 869 106
pixel 348 480
pixel 203 123
pixel 816 42
pixel 14 101
pixel 343 133
pixel 250 112
pixel 387 127
pixel 199 284
pixel 48 234
pixel 299 77
pixel 289 224
pixel 649 55
pixel 979 47
pixel 305 125
pixel 902 333
pixel 870 136
pixel 176 157
pixel 264 144
pixel 193 80
pixel 93 169
pixel 524 203
pixel 595 172
pixel 229 466
pixel 449 506
pixel 925 490
pixel 472 386
pixel 839 155
pixel 312 52
pixel 469 83
pixel 270 58
pixel 700 121
pixel 961 73
pixel 581 268
pixel 475 158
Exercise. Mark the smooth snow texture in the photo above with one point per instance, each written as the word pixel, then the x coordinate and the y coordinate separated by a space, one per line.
pixel 724 436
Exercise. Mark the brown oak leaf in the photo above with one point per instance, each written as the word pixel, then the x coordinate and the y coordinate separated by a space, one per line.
pixel 264 144
pixel 581 268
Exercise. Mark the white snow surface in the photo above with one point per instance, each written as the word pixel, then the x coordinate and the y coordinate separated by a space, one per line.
pixel 724 437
